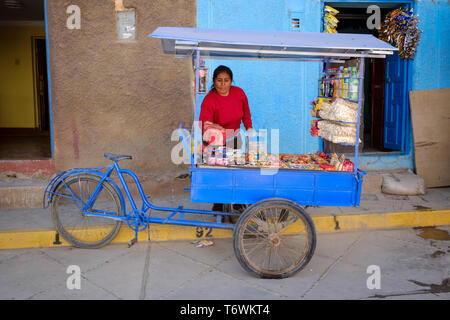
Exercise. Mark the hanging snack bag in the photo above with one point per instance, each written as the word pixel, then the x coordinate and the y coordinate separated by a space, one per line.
pixel 329 20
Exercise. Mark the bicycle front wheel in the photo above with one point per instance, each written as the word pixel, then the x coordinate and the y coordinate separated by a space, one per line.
pixel 73 224
pixel 274 238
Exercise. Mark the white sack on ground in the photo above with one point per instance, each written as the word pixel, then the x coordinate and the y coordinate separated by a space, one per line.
pixel 405 183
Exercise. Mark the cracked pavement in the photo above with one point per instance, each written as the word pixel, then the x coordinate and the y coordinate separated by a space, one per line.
pixel 411 267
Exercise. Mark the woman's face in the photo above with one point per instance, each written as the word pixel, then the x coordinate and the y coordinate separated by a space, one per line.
pixel 222 83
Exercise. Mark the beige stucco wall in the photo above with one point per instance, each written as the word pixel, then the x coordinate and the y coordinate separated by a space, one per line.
pixel 118 97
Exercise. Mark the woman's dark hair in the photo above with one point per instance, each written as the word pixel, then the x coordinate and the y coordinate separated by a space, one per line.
pixel 219 70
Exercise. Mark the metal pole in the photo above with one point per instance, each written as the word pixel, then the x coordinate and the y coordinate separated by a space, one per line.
pixel 358 122
pixel 327 66
pixel 196 129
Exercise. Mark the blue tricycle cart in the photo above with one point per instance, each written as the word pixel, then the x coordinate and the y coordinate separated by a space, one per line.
pixel 274 237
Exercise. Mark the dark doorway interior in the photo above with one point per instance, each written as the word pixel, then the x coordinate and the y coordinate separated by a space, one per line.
pixel 41 81
pixel 25 147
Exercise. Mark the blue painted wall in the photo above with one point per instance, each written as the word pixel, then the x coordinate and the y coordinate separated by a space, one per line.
pixel 431 66
pixel 280 93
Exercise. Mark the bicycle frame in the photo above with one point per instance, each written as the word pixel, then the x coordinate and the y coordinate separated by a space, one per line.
pixel 136 219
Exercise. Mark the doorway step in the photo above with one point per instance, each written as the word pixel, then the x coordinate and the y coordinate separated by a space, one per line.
pixel 23 182
pixel 21 192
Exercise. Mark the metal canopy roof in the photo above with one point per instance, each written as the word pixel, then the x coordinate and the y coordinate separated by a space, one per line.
pixel 216 43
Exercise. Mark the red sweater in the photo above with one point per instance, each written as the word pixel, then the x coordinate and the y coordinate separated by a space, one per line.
pixel 228 111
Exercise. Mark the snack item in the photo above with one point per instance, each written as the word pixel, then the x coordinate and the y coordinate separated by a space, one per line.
pixel 330 21
pixel 400 29
pixel 308 161
pixel 338 110
pixel 335 132
pixel 327 167
pixel 239 157
pixel 252 158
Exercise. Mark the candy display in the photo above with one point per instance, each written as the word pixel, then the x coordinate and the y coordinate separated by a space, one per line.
pixel 309 161
pixel 330 21
pixel 336 132
pixel 223 156
pixel 337 110
pixel 400 29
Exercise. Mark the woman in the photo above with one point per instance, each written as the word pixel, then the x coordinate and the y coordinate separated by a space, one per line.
pixel 223 109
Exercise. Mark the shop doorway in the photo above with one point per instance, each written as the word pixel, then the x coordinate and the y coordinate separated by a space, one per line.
pixel 383 115
pixel 24 110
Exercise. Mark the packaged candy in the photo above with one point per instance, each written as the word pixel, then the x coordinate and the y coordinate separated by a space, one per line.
pixel 330 21
pixel 309 161
pixel 331 10
pixel 400 29
pixel 327 167
pixel 252 158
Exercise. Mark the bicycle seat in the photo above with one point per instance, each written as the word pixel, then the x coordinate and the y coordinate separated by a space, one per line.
pixel 116 157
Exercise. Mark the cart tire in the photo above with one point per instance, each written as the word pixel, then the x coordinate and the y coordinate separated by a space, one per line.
pixel 80 230
pixel 274 238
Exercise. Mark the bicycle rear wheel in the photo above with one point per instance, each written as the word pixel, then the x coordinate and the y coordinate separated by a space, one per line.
pixel 73 224
pixel 274 238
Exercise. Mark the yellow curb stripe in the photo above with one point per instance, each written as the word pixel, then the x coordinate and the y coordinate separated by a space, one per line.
pixel 17 239
pixel 394 220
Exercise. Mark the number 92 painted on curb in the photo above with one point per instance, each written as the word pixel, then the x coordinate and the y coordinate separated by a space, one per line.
pixel 201 232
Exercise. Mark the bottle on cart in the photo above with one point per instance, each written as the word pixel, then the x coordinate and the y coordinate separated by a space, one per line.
pixel 346 82
pixel 354 83
pixel 326 84
pixel 337 82
pixel 322 85
pixel 341 82
pixel 333 83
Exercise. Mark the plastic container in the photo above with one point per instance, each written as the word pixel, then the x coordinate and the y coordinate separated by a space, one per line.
pixel 346 82
pixel 353 85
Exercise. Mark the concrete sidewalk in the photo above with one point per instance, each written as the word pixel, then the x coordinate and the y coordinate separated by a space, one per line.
pixel 29 228
pixel 409 263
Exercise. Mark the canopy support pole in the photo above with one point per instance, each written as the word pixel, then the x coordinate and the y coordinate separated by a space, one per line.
pixel 197 130
pixel 360 96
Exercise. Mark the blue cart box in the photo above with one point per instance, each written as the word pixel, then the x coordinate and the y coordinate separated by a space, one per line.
pixel 250 185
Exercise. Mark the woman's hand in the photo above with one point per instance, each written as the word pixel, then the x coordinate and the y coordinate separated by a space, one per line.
pixel 210 125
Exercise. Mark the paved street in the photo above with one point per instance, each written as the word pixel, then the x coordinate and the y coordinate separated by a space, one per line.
pixel 412 264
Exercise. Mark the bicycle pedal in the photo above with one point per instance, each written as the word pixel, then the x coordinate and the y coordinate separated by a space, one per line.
pixel 132 242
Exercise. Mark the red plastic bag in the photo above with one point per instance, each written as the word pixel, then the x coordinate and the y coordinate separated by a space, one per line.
pixel 348 165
